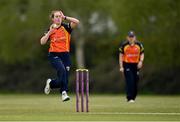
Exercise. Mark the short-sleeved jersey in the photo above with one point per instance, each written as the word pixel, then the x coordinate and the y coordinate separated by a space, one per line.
pixel 60 38
pixel 131 53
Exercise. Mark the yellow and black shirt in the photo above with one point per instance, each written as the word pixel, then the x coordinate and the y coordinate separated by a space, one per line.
pixel 131 53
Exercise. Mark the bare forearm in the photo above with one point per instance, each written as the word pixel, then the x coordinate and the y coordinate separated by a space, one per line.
pixel 120 60
pixel 121 69
pixel 44 39
pixel 142 57
pixel 140 63
pixel 71 19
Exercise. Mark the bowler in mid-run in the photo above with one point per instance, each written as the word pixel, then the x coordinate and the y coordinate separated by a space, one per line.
pixel 59 35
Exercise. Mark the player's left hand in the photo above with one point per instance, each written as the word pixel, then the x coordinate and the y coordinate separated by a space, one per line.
pixel 140 64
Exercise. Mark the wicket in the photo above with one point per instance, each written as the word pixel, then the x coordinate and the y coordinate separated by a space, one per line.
pixel 82 77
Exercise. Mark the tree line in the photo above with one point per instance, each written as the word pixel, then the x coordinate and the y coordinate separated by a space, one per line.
pixel 103 25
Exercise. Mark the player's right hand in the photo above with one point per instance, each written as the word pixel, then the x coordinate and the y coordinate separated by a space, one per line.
pixel 121 69
pixel 51 28
pixel 62 15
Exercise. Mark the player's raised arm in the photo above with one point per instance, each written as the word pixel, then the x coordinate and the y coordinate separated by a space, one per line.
pixel 73 21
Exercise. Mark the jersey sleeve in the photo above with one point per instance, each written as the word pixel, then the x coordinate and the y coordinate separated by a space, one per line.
pixel 67 26
pixel 141 48
pixel 121 48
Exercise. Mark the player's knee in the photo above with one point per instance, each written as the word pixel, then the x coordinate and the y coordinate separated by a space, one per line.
pixel 61 69
pixel 68 68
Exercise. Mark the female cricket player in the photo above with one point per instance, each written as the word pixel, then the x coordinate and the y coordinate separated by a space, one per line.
pixel 59 35
pixel 131 59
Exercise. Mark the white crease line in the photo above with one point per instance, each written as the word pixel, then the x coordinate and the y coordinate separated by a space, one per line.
pixel 126 113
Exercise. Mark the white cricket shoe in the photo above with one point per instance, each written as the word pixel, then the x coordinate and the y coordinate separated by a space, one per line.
pixel 47 88
pixel 131 101
pixel 65 97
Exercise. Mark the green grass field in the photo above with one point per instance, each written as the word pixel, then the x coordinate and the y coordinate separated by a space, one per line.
pixel 102 108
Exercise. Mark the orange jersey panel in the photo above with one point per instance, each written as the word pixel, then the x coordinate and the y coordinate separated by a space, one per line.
pixel 59 40
pixel 131 54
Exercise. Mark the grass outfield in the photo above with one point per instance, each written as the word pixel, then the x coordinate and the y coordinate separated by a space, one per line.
pixel 102 108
